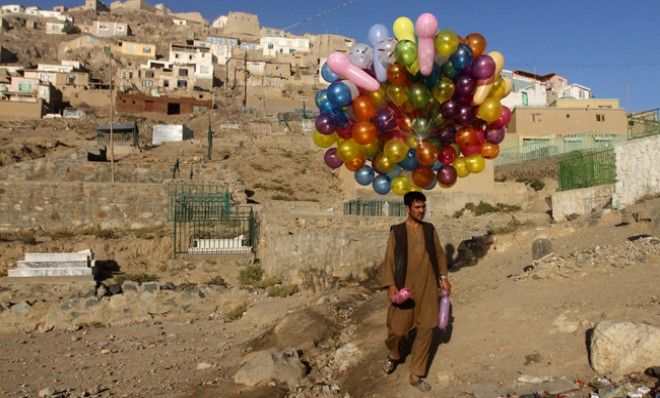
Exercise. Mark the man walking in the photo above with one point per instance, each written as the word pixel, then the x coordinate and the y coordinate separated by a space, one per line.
pixel 413 259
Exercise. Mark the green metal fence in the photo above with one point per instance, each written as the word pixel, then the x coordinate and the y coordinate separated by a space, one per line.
pixel 204 221
pixel 582 170
pixel 359 207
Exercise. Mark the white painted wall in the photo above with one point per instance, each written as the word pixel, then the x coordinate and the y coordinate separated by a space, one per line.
pixel 637 171
pixel 536 96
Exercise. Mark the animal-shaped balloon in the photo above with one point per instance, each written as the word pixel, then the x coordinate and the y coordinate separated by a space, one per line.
pixel 340 64
pixel 361 55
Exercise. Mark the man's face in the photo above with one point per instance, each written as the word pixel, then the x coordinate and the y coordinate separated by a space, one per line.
pixel 417 210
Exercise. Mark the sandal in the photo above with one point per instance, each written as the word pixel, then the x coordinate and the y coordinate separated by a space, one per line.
pixel 421 385
pixel 390 365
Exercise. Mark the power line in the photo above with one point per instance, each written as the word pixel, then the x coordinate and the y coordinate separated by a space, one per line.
pixel 322 13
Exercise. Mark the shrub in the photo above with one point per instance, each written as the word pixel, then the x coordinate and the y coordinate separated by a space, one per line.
pixel 62 234
pixel 139 278
pixel 283 290
pixel 267 282
pixel 484 208
pixel 537 184
pixel 250 275
pixel 27 238
pixel 235 313
pixel 106 234
pixel 507 208
pixel 3 272
pixel 217 281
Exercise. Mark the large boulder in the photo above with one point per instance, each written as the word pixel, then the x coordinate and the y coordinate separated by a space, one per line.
pixel 283 368
pixel 621 347
pixel 303 330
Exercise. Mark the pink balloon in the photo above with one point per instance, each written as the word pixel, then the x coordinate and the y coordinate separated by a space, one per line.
pixel 401 296
pixel 503 120
pixel 426 27
pixel 341 65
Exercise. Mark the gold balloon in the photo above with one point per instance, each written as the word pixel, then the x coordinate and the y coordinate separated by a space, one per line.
pixel 348 150
pixel 475 163
pixel 398 95
pixel 323 140
pixel 396 150
pixel 499 61
pixel 490 110
pixel 404 29
pixel 400 185
pixel 446 43
pixel 499 89
pixel 371 149
pixel 443 89
pixel 379 97
pixel 412 141
pixel 384 164
pixel 461 167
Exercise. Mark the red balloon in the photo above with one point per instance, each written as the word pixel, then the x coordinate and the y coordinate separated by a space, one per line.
pixel 395 134
pixel 471 149
pixel 467 136
pixel 503 120
pixel 447 155
pixel 345 131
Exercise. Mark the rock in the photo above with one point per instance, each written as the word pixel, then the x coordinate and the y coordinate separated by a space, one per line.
pixel 45 327
pixel 101 291
pixel 346 356
pixel 303 330
pixel 150 287
pixel 105 351
pixel 47 392
pixel 203 365
pixel 445 378
pixel 564 325
pixel 541 247
pixel 621 347
pixel 69 303
pixel 115 289
pixel 21 308
pixel 168 286
pixel 91 302
pixel 267 366
pixel 129 286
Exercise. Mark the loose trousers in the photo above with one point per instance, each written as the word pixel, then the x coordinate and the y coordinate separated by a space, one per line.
pixel 400 323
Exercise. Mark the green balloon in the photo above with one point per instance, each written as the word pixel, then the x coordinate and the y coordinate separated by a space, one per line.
pixel 419 95
pixel 406 52
pixel 421 127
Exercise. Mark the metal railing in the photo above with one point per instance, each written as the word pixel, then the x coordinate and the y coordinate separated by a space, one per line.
pixel 386 208
pixel 582 170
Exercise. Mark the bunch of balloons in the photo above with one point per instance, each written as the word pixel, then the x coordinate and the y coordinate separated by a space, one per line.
pixel 412 111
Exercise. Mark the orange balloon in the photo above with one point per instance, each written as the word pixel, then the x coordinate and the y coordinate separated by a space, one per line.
pixel 363 108
pixel 467 136
pixel 426 153
pixel 356 163
pixel 423 176
pixel 364 132
pixel 490 150
pixel 477 44
pixel 397 74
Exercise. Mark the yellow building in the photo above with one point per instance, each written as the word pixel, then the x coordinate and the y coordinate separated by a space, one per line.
pixel 135 49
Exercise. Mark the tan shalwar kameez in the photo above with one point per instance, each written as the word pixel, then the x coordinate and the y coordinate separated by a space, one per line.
pixel 421 311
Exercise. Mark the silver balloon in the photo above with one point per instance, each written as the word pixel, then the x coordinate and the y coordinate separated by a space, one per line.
pixel 385 51
pixel 361 55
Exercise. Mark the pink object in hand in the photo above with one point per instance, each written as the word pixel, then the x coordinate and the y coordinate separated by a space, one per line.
pixel 426 27
pixel 401 296
pixel 443 313
pixel 341 65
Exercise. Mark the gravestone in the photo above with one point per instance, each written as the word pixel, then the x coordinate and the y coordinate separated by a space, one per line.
pixel 54 264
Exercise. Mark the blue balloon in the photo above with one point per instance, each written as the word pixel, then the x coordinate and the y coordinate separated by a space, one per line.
pixel 434 77
pixel 339 94
pixel 328 75
pixel 341 116
pixel 394 172
pixel 382 184
pixel 431 185
pixel 322 101
pixel 436 165
pixel 462 57
pixel 410 162
pixel 364 175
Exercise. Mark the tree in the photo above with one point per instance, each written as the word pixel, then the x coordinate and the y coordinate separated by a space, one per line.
pixel 69 28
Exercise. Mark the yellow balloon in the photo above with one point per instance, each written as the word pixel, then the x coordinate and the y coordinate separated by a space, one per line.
pixel 396 150
pixel 481 93
pixel 475 163
pixel 404 29
pixel 397 94
pixel 413 141
pixel 400 185
pixel 508 82
pixel 499 89
pixel 414 68
pixel 443 89
pixel 446 43
pixel 490 110
pixel 370 150
pixel 379 97
pixel 461 167
pixel 348 150
pixel 323 140
pixel 499 61
pixel 384 164
pixel 415 188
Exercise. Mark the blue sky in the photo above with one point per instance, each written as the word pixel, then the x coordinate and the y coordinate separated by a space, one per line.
pixel 611 46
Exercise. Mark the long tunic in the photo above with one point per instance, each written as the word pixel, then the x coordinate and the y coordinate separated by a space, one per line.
pixel 420 279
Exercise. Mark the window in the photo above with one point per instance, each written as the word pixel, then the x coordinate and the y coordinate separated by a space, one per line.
pixel 146 50
pixel 130 48
pixel 149 74
pixel 568 116
pixel 536 117
pixel 600 118
pixel 24 87
pixel 182 84
pixel 525 100
pixel 71 80
pixel 44 77
pixel 176 55
pixel 291 51
pixel 190 57
pixel 183 72
pixel 147 83
pixel 126 75
pixel 166 83
pixel 270 46
pixel 103 26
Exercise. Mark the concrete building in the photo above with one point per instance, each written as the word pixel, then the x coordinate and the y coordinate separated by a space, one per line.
pixel 193 17
pixel 273 46
pixel 131 5
pixel 55 28
pixel 12 9
pixel 221 47
pixel 107 29
pixel 239 24
pixel 157 77
pixel 195 53
pixel 575 91
pixel 82 41
pixel 323 45
pixel 170 105
pixel 93 5
pixel 69 78
pixel 31 91
pixel 135 49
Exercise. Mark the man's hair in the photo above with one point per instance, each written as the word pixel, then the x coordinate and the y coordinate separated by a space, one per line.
pixel 412 196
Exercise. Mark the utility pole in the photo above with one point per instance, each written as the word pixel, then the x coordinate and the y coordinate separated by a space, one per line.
pixel 245 81
pixel 112 111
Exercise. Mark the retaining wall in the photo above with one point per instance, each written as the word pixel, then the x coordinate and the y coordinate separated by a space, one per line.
pixel 637 171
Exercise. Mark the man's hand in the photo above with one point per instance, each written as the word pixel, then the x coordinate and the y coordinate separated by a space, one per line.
pixel 391 292
pixel 445 285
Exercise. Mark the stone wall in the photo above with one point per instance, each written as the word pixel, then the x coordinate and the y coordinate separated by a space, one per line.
pixel 54 206
pixel 637 171
pixel 580 201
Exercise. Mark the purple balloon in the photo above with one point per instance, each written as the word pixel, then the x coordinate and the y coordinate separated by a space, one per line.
pixel 385 119
pixel 447 175
pixel 449 109
pixel 464 86
pixel 467 100
pixel 466 114
pixel 495 135
pixel 327 123
pixel 483 67
pixel 331 159
pixel 446 135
